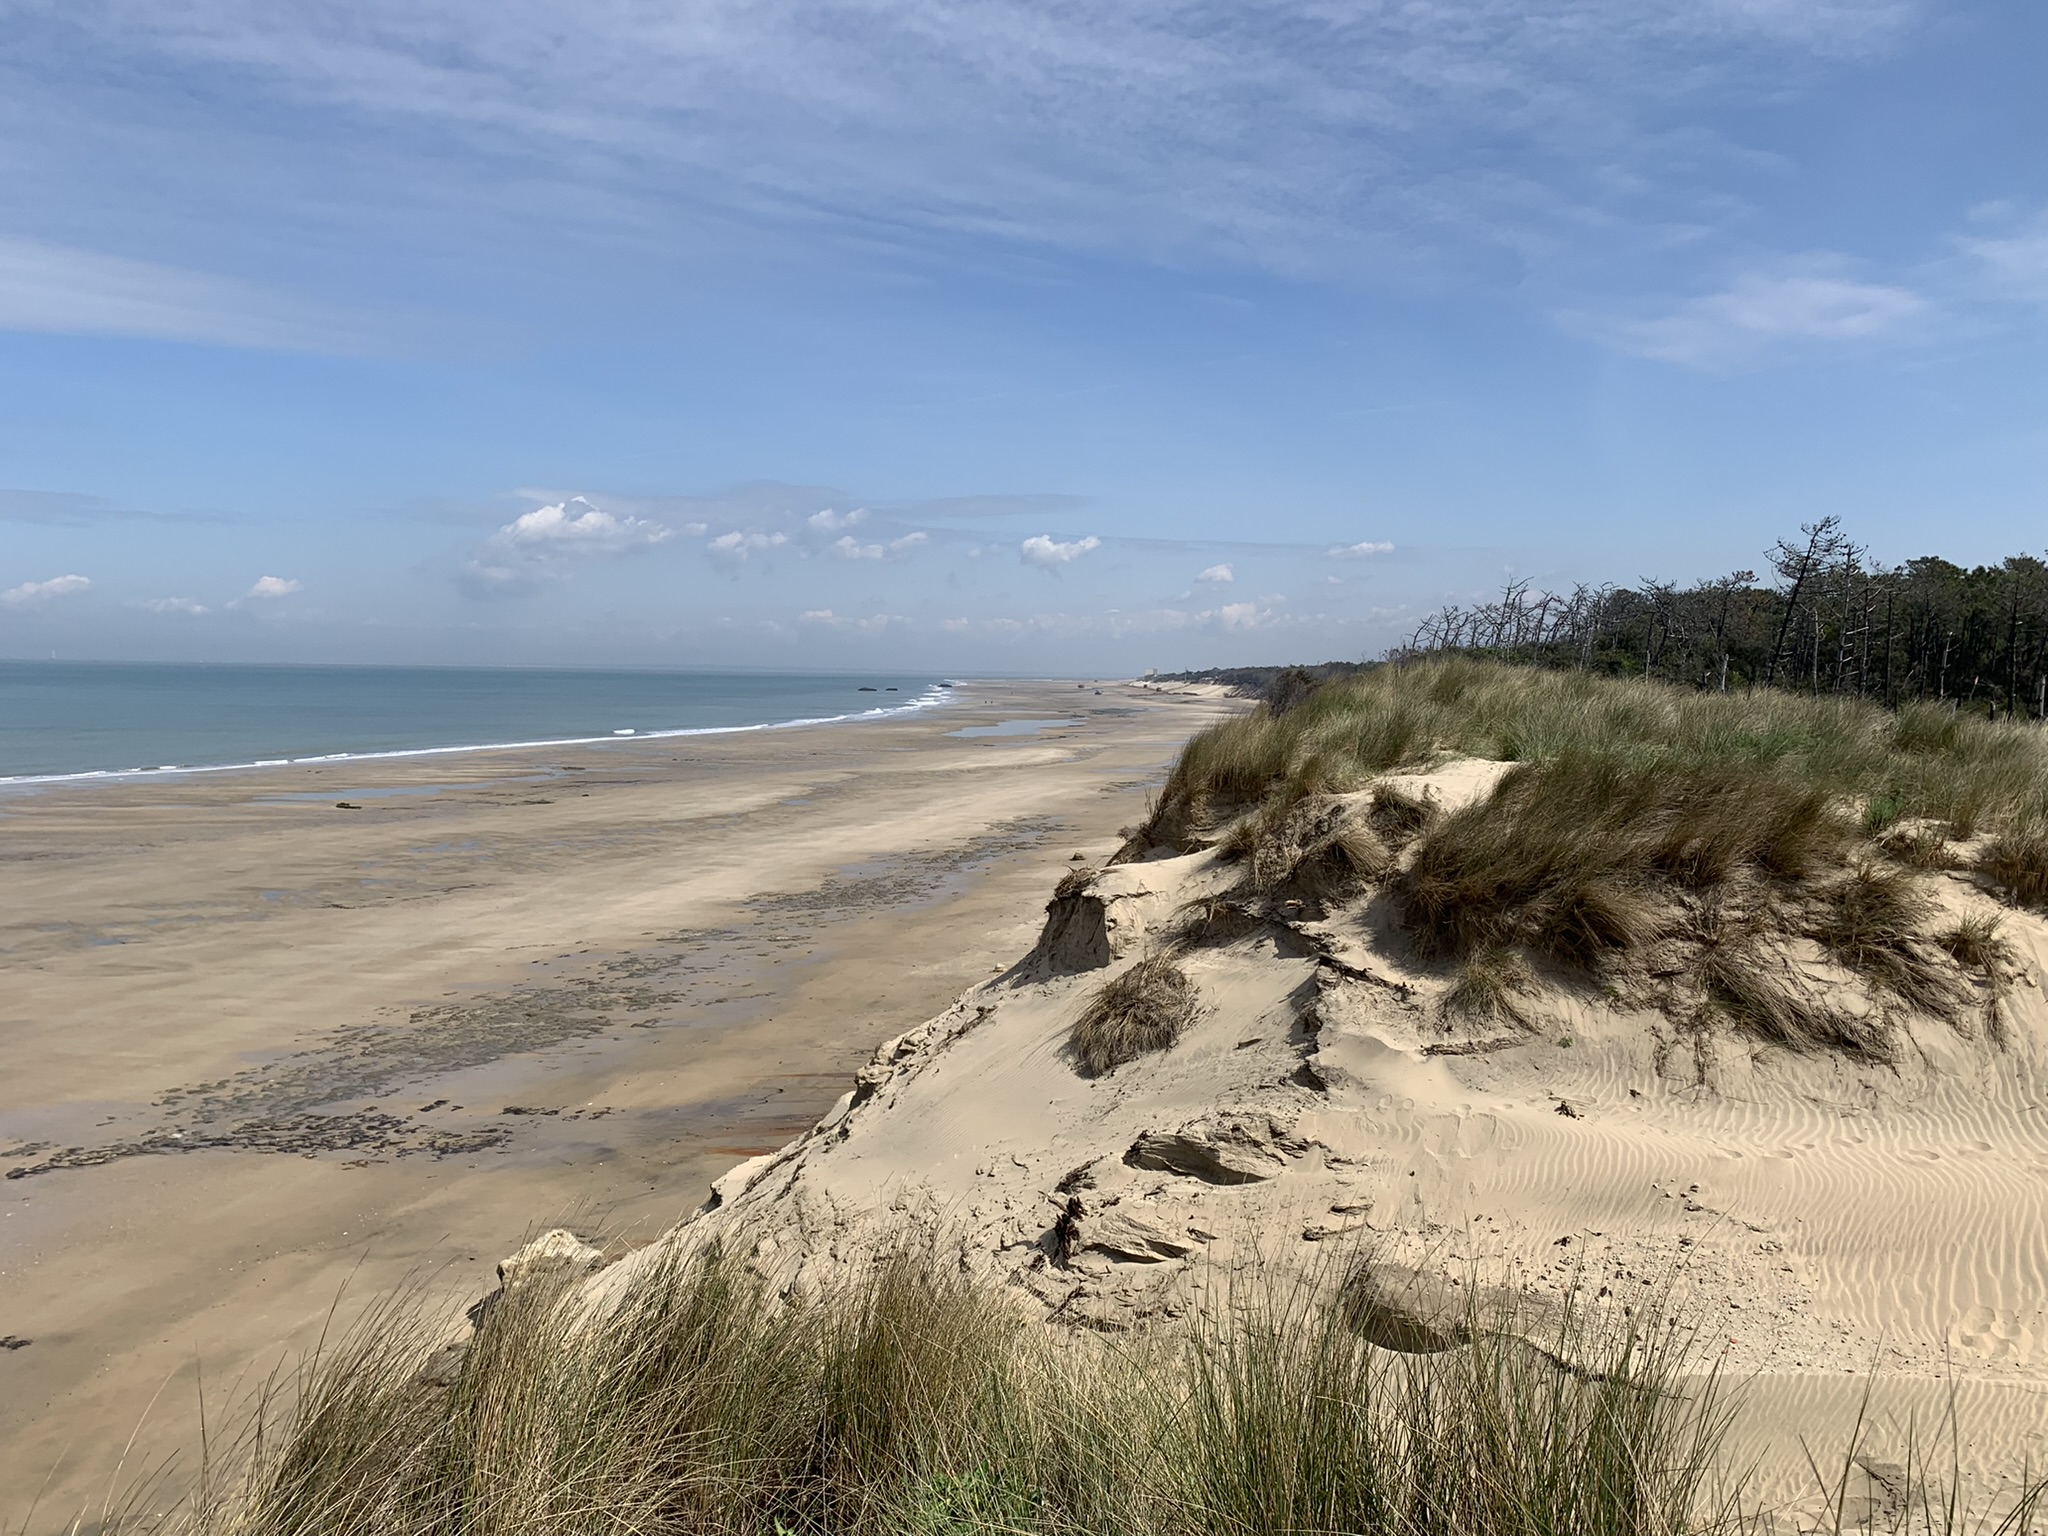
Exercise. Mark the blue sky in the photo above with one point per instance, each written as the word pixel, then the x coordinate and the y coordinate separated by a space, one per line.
pixel 986 335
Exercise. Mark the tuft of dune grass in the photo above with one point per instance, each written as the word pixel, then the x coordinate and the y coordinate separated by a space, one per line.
pixel 1873 921
pixel 1143 1010
pixel 1488 988
pixel 1577 857
pixel 2016 862
pixel 1312 847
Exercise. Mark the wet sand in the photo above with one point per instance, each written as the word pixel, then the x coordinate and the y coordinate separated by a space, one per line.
pixel 261 1052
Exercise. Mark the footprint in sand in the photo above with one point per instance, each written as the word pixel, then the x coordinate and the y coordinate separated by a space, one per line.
pixel 1990 1334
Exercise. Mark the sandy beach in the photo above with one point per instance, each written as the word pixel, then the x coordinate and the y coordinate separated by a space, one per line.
pixel 263 1053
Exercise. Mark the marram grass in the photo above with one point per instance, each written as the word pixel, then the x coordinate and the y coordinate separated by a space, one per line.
pixel 915 1401
pixel 1676 845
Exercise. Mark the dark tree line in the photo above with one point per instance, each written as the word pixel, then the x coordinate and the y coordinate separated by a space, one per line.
pixel 1826 619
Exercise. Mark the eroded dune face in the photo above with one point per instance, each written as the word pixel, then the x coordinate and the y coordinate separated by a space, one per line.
pixel 1822 1214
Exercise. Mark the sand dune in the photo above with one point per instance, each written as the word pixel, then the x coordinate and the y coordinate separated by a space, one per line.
pixel 1820 1219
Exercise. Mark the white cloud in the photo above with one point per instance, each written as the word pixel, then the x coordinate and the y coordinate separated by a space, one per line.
pixel 1043 549
pixel 183 605
pixel 42 591
pixel 850 548
pixel 1813 300
pixel 275 586
pixel 56 288
pixel 575 524
pixel 1218 574
pixel 740 543
pixel 2016 264
pixel 1361 551
pixel 829 521
pixel 873 624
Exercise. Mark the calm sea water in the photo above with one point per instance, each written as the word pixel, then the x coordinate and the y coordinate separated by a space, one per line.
pixel 61 719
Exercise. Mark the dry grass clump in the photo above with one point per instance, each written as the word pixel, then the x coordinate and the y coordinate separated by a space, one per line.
pixel 1977 945
pixel 2016 862
pixel 1398 815
pixel 1739 975
pixel 916 1402
pixel 1581 857
pixel 1145 1009
pixel 1873 921
pixel 1312 849
pixel 1488 988
pixel 1214 920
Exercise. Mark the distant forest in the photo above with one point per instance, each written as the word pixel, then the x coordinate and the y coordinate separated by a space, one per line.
pixel 1825 620
pixel 1831 621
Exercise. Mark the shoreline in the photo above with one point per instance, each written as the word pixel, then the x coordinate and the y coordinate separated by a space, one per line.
pixel 933 698
pixel 394 1040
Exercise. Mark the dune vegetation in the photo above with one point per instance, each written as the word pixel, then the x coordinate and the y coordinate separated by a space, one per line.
pixel 1673 844
pixel 1144 1009
pixel 919 1402
pixel 916 1401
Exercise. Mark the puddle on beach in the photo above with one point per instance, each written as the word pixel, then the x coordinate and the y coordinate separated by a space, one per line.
pixel 1012 728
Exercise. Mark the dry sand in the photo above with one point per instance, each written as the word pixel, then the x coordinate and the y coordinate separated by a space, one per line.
pixel 258 1048
pixel 1829 1226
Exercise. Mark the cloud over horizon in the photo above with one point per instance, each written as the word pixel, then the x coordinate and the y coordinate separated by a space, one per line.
pixel 1044 550
pixel 43 591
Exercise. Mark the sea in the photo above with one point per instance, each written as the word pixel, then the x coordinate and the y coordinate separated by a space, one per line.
pixel 64 720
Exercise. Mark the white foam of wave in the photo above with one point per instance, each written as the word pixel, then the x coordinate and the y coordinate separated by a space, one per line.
pixel 931 698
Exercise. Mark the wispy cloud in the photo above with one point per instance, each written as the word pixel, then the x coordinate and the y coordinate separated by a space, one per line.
pixel 190 607
pixel 873 624
pixel 741 543
pixel 1044 550
pixel 1812 300
pixel 965 508
pixel 1364 550
pixel 66 290
pixel 59 508
pixel 849 548
pixel 2016 263
pixel 1289 134
pixel 36 592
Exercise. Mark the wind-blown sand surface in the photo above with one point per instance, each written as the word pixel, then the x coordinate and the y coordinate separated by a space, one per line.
pixel 1832 1227
pixel 257 1048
